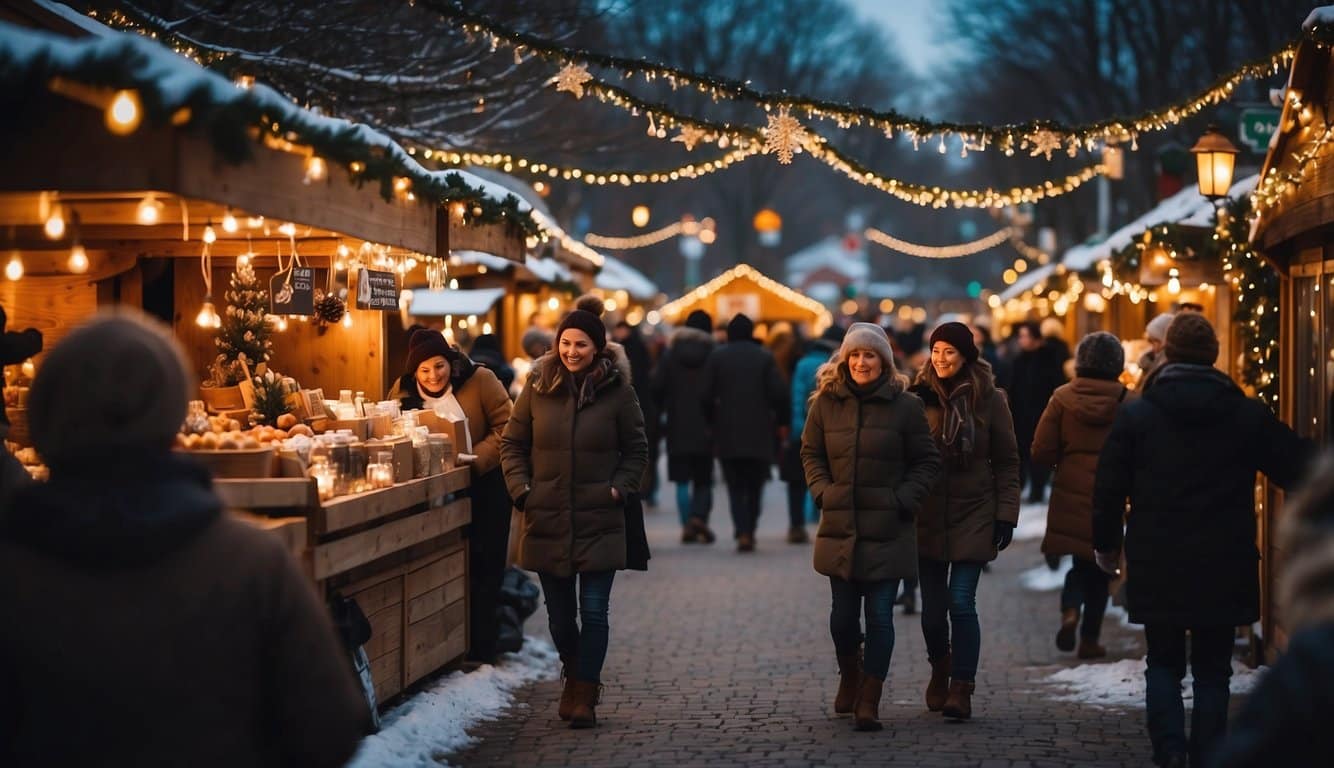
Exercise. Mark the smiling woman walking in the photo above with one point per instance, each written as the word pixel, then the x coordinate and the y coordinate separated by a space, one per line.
pixel 573 451
pixel 869 461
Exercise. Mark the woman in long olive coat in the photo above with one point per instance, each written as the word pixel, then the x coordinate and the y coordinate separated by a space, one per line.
pixel 573 453
pixel 869 461
pixel 971 513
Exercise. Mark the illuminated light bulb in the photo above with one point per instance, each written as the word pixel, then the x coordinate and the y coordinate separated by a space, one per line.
pixel 288 228
pixel 472 319
pixel 347 319
pixel 229 224
pixel 280 323
pixel 411 264
pixel 78 259
pixel 553 303
pixel 123 113
pixel 244 259
pixel 54 227
pixel 481 269
pixel 254 222
pixel 1174 283
pixel 210 236
pixel 149 211
pixel 14 269
pixel 610 305
pixel 486 327
pixel 208 316
pixel 316 170
pixel 453 284
pixel 530 242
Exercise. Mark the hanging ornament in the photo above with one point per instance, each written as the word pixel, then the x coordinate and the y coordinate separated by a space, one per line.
pixel 689 136
pixel 329 309
pixel 783 136
pixel 572 78
pixel 1042 143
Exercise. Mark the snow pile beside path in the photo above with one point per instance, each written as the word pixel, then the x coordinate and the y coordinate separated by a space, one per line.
pixel 1044 579
pixel 427 727
pixel 1032 522
pixel 1121 683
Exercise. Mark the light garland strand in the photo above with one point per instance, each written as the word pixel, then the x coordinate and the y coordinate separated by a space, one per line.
pixel 1276 184
pixel 510 163
pixel 636 241
pixel 673 309
pixel 939 252
pixel 1038 134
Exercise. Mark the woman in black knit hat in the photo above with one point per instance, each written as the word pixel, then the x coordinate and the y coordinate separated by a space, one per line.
pixel 573 452
pixel 970 514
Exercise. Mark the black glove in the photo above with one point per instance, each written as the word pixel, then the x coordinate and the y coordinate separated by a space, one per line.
pixel 1004 534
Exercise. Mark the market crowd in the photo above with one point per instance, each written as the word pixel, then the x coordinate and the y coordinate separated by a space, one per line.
pixel 909 450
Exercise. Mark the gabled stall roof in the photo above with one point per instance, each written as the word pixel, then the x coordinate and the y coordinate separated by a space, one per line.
pixel 616 275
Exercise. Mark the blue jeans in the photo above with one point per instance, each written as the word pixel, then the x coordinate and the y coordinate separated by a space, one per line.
pixel 698 504
pixel 588 646
pixel 949 614
pixel 845 622
pixel 1211 664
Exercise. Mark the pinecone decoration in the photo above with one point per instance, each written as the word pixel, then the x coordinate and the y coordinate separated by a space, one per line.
pixel 329 309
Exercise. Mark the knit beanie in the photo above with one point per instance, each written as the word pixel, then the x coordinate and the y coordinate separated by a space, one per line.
pixel 957 335
pixel 700 321
pixel 834 333
pixel 1100 356
pixel 586 317
pixel 868 336
pixel 115 385
pixel 1157 327
pixel 740 328
pixel 424 345
pixel 535 337
pixel 1190 339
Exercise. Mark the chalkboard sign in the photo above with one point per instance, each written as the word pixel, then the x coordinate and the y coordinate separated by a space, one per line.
pixel 293 294
pixel 377 290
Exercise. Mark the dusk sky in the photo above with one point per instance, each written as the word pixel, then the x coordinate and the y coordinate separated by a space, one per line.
pixel 912 24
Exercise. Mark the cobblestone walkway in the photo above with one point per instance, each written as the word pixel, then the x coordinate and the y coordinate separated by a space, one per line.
pixel 725 659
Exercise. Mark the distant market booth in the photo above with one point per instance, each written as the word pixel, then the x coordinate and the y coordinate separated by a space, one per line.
pixel 744 290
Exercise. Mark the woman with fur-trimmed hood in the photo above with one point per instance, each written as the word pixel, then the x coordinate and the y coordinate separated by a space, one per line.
pixel 870 461
pixel 573 451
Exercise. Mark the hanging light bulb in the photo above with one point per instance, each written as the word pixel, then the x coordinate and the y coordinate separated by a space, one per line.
pixel 315 169
pixel 14 269
pixel 229 224
pixel 280 323
pixel 123 113
pixel 54 226
pixel 287 228
pixel 347 319
pixel 78 259
pixel 208 316
pixel 1173 283
pixel 149 210
pixel 210 236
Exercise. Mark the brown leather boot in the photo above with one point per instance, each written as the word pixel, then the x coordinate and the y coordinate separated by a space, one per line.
pixel 867 715
pixel 849 677
pixel 959 703
pixel 567 690
pixel 586 696
pixel 939 687
pixel 1065 636
pixel 1089 649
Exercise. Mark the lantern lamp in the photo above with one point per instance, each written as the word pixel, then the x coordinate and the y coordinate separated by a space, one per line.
pixel 1215 158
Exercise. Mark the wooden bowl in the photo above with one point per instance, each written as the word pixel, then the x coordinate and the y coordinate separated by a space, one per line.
pixel 238 463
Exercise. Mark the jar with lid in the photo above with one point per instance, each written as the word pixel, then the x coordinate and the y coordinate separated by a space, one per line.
pixel 359 459
pixel 340 456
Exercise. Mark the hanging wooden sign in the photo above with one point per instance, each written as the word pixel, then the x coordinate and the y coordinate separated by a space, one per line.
pixel 293 293
pixel 377 289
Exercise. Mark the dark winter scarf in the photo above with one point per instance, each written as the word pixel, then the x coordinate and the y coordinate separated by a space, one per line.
pixel 957 427
pixel 863 391
pixel 585 384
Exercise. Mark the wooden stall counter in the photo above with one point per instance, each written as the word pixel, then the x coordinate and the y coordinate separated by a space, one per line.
pixel 398 551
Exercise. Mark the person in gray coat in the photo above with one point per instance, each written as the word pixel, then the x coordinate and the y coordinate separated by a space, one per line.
pixel 748 402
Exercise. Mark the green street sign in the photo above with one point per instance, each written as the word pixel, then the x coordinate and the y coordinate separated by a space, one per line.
pixel 1256 125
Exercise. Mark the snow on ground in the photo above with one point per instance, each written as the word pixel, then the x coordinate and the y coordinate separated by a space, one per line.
pixel 1121 683
pixel 1044 579
pixel 1032 522
pixel 432 724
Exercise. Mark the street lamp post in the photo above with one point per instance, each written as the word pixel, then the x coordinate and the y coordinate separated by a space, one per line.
pixel 1215 158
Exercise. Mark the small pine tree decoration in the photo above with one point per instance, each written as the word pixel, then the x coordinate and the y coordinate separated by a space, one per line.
pixel 244 332
pixel 271 391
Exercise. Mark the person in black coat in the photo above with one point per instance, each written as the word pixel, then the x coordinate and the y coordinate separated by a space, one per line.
pixel 749 406
pixel 1286 718
pixel 1185 454
pixel 486 353
pixel 677 388
pixel 641 368
pixel 1034 375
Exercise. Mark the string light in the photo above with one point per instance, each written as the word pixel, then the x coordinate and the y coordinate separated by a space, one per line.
pixel 939 252
pixel 229 224
pixel 54 226
pixel 149 210
pixel 124 114
pixel 78 259
pixel 1006 138
pixel 14 268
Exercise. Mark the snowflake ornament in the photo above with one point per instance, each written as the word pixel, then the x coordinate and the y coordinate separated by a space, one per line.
pixel 572 78
pixel 689 136
pixel 1043 143
pixel 783 136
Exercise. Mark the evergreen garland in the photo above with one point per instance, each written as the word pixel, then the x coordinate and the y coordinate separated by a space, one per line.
pixel 245 330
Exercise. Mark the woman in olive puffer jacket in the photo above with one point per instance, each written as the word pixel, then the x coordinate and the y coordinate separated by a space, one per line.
pixel 869 461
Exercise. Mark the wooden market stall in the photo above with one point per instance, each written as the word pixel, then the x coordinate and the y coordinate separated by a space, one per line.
pixel 1294 233
pixel 120 190
pixel 743 289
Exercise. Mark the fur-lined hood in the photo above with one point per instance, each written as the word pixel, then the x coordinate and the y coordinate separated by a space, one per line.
pixel 691 346
pixel 610 366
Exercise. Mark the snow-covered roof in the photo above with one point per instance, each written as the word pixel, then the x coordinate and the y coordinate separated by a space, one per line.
pixel 1027 280
pixel 830 253
pixel 545 269
pixel 168 82
pixel 616 275
pixel 1186 207
pixel 475 301
pixel 900 289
